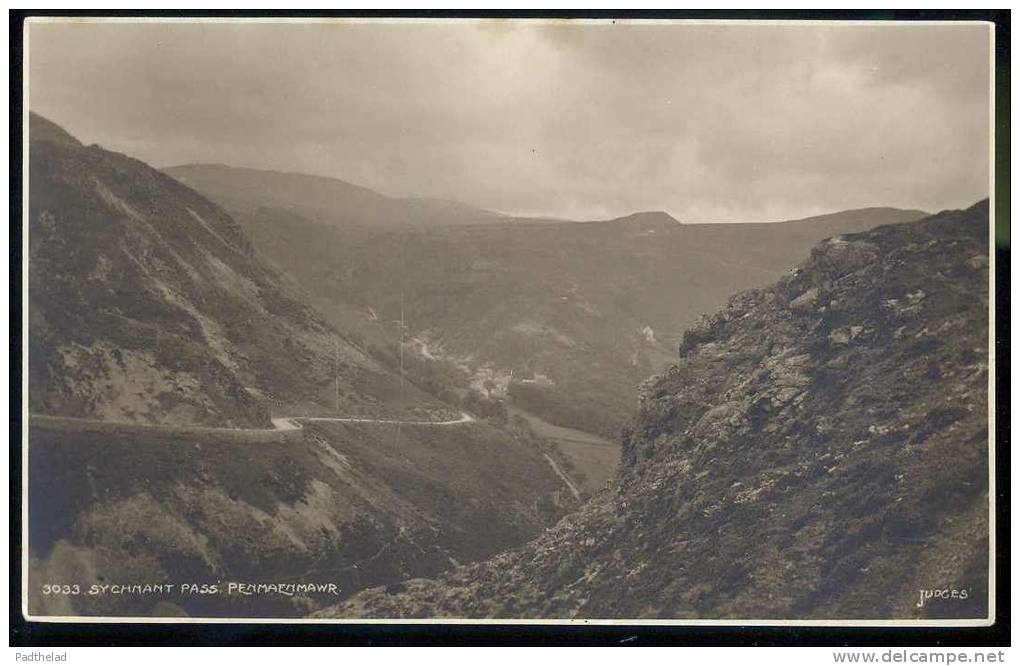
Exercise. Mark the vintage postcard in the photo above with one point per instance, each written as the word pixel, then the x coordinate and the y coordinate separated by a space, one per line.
pixel 517 320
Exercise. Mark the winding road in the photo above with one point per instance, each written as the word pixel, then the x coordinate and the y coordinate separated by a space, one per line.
pixel 286 427
pixel 291 422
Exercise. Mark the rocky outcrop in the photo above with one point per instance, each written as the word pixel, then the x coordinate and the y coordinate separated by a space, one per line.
pixel 818 451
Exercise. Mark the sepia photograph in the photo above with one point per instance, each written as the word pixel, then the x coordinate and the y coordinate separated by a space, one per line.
pixel 511 320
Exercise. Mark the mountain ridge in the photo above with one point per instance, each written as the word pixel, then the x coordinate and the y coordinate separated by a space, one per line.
pixel 324 199
pixel 207 177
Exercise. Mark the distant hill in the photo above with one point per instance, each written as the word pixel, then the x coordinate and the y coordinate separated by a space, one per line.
pixel 327 200
pixel 654 219
pixel 819 450
pixel 842 221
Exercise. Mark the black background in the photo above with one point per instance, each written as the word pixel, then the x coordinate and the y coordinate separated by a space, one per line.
pixel 37 634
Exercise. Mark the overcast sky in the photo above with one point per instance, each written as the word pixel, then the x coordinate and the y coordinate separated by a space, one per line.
pixel 708 122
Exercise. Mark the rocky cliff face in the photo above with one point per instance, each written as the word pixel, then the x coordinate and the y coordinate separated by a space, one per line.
pixel 818 451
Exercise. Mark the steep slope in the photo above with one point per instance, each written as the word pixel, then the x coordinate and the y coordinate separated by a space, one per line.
pixel 818 451
pixel 326 200
pixel 147 302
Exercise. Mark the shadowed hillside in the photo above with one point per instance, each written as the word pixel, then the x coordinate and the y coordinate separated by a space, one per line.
pixel 352 505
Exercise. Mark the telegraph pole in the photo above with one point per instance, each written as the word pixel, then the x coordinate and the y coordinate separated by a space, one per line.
pixel 401 342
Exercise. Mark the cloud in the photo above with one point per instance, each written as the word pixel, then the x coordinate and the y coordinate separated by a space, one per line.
pixel 710 122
